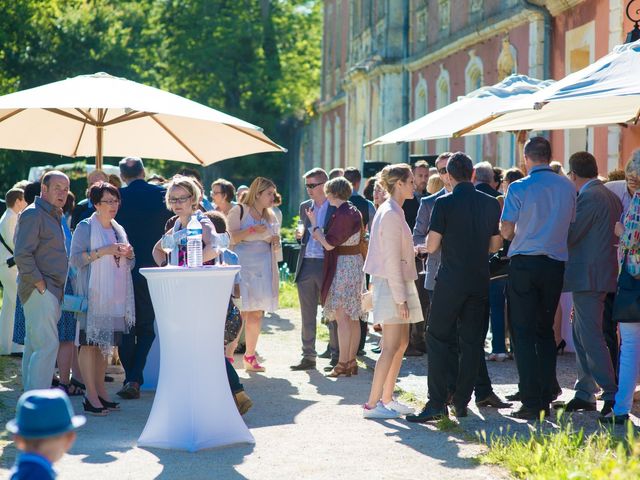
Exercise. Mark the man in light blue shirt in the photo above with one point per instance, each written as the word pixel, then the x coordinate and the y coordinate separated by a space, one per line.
pixel 538 210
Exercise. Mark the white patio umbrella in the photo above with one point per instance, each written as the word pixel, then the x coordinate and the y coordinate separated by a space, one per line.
pixel 603 93
pixel 467 112
pixel 101 115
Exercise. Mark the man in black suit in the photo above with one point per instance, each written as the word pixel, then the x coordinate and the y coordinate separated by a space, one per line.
pixel 143 215
pixel 465 225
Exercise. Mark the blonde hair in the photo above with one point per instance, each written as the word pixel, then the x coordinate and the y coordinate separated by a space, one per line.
pixel 259 185
pixel 434 184
pixel 190 185
pixel 391 174
pixel 339 187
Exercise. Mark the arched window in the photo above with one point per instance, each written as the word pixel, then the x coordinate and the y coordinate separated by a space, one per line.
pixel 420 109
pixel 327 145
pixel 443 97
pixel 474 79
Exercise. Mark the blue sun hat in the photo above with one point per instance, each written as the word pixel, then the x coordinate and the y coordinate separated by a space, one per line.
pixel 44 413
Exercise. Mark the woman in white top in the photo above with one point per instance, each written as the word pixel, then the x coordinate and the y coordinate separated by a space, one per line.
pixel 252 225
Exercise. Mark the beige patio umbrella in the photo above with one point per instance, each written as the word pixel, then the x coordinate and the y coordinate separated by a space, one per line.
pixel 101 115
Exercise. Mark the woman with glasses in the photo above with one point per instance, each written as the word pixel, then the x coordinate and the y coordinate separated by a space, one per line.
pixel 222 194
pixel 183 198
pixel 253 227
pixel 103 259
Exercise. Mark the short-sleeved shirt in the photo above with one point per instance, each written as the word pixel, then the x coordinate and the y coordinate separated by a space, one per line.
pixel 466 219
pixel 542 205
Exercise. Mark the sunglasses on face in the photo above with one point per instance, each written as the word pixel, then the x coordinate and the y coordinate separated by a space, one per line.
pixel 442 171
pixel 311 186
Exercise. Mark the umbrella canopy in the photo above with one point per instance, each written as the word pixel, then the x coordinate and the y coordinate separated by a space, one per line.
pixel 475 108
pixel 603 93
pixel 101 115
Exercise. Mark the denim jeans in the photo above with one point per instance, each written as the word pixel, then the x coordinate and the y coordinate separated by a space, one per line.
pixel 629 367
pixel 497 301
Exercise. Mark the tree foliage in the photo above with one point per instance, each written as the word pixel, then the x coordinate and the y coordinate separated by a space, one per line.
pixel 255 59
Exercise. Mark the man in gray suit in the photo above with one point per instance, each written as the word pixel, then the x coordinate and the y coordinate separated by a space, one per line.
pixel 590 274
pixel 308 275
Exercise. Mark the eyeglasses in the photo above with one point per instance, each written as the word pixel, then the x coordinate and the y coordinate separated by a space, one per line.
pixel 442 171
pixel 216 192
pixel 111 203
pixel 179 200
pixel 311 186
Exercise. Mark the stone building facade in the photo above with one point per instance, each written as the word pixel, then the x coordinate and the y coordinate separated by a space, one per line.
pixel 388 62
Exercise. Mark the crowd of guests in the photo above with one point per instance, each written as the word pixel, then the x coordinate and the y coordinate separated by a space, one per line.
pixel 72 284
pixel 436 257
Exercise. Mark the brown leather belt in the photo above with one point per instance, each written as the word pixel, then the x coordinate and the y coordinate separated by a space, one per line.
pixel 348 250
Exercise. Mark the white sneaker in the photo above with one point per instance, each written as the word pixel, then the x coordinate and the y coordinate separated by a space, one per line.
pixel 380 411
pixel 401 408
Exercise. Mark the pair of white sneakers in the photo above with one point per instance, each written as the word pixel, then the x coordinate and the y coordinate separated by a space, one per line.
pixel 393 409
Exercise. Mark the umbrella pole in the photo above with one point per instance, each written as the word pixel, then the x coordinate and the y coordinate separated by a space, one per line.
pixel 521 137
pixel 99 133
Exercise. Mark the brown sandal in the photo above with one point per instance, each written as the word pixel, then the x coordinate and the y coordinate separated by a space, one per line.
pixel 342 368
pixel 353 366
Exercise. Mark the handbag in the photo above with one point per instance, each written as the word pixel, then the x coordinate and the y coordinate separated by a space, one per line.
pixel 75 303
pixel 626 305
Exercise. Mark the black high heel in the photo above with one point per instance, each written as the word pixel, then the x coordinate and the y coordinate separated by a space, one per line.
pixel 560 347
pixel 91 410
pixel 109 405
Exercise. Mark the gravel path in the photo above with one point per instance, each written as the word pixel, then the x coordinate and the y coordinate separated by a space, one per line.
pixel 306 426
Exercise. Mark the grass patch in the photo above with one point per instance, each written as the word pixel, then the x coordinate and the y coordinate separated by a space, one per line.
pixel 322 333
pixel 289 295
pixel 566 454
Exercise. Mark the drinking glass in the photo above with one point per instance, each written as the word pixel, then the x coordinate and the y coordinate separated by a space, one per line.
pixel 423 259
pixel 168 243
pixel 300 228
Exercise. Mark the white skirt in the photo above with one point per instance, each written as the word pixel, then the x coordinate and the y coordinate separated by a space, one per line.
pixel 384 307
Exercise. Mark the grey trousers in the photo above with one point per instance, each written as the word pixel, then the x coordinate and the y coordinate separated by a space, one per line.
pixel 592 355
pixel 41 314
pixel 309 284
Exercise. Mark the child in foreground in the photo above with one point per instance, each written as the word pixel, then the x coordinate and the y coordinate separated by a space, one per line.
pixel 44 429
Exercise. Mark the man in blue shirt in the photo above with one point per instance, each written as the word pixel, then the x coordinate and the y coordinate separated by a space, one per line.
pixel 538 210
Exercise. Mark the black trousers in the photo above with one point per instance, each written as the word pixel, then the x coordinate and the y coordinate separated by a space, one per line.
pixel 483 386
pixel 610 331
pixel 454 338
pixel 417 331
pixel 534 287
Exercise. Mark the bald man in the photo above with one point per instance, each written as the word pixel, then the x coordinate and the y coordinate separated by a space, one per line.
pixel 41 258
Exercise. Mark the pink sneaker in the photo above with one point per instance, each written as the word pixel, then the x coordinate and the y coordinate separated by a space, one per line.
pixel 251 364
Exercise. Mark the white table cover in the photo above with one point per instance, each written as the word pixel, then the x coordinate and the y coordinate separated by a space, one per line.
pixel 193 407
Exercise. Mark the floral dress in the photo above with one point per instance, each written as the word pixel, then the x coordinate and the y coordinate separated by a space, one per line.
pixel 347 284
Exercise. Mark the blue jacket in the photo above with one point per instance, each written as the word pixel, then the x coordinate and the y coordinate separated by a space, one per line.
pixel 31 466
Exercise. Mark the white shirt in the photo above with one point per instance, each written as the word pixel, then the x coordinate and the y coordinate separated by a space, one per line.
pixel 314 248
pixel 619 187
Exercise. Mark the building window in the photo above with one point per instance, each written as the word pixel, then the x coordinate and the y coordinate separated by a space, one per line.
pixel 421 26
pixel 475 6
pixel 444 14
pixel 327 145
pixel 443 97
pixel 420 109
pixel 473 80
pixel 337 143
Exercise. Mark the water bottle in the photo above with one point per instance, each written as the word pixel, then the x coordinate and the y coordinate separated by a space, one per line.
pixel 194 243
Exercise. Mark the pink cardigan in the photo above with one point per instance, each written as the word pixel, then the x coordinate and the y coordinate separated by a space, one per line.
pixel 391 255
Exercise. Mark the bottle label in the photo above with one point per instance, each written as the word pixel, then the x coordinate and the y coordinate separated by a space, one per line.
pixel 194 231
